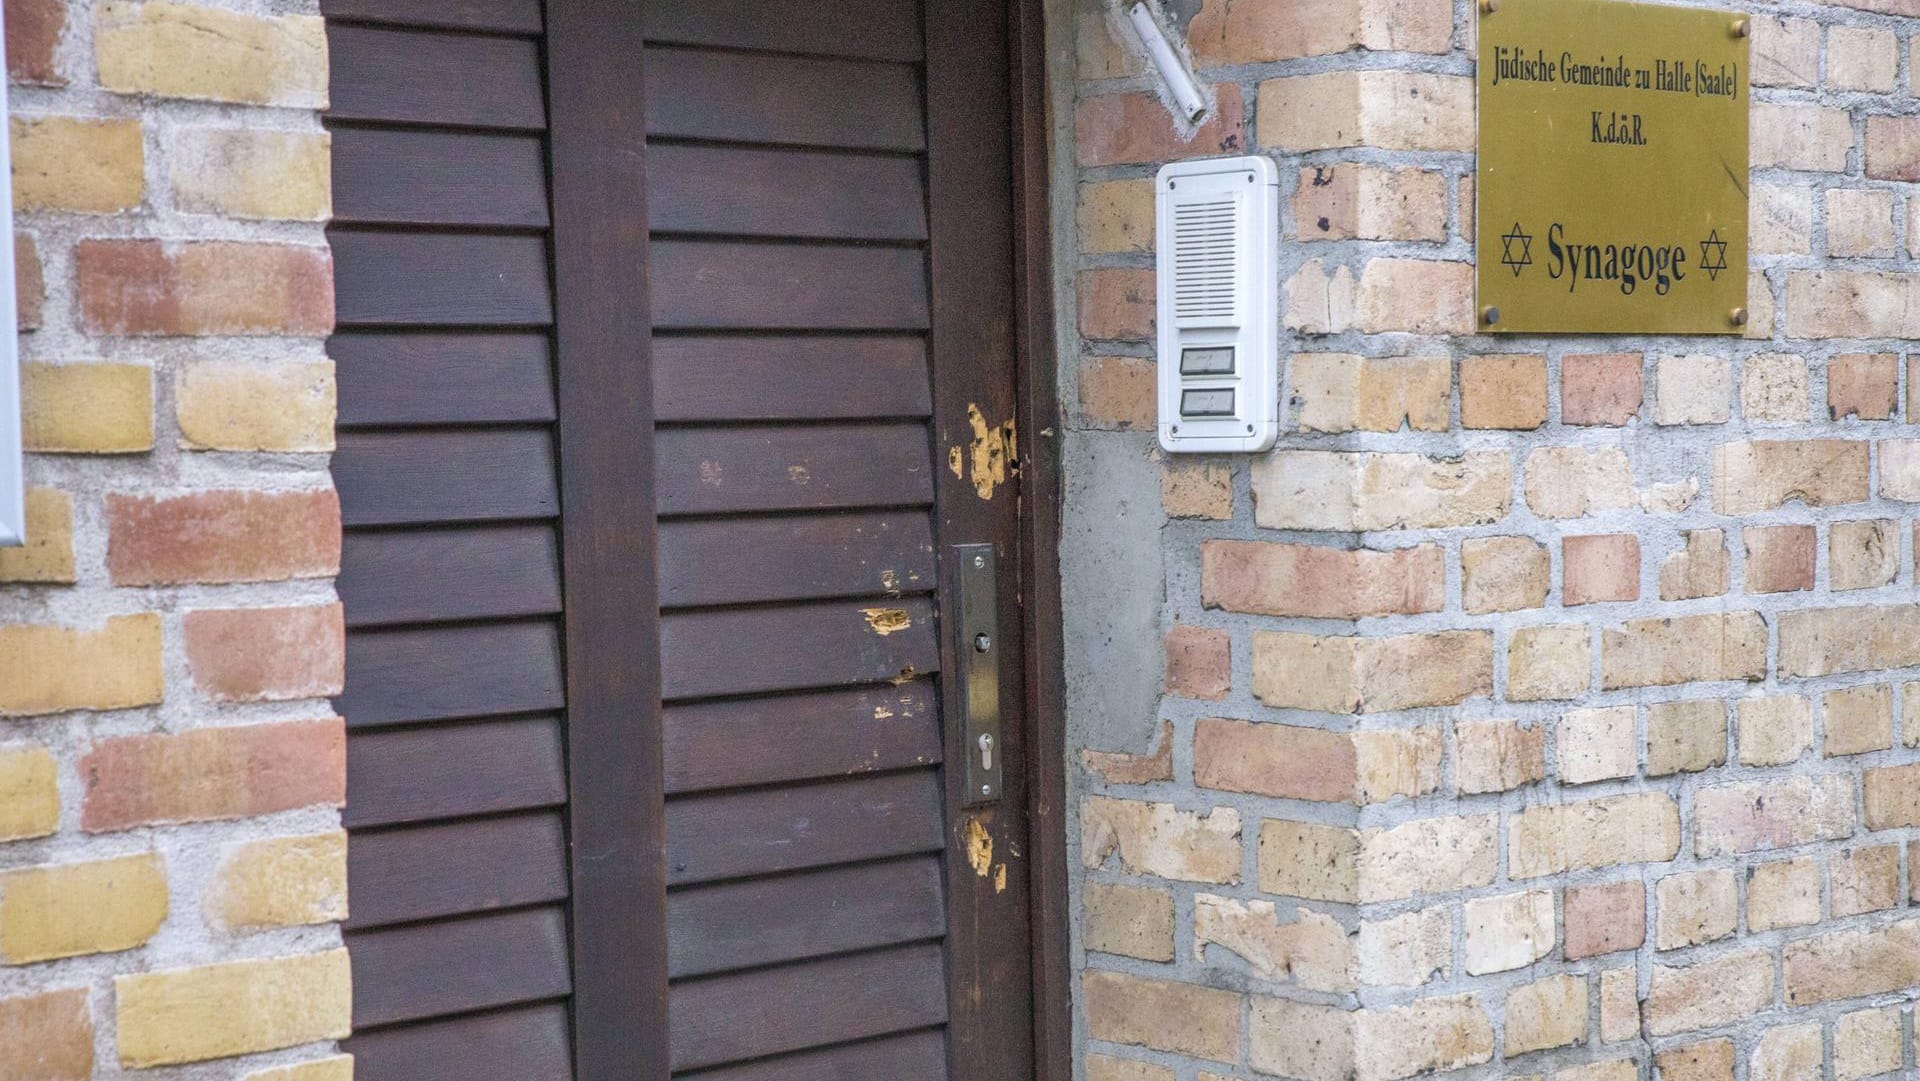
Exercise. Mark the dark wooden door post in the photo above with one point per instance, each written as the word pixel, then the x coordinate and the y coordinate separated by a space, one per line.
pixel 597 95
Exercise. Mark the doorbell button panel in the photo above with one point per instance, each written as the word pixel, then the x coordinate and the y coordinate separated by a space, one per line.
pixel 1217 228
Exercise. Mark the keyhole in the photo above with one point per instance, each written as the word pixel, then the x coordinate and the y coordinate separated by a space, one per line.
pixel 986 751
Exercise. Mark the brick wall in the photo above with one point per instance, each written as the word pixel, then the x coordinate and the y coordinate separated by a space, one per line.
pixel 1540 706
pixel 171 860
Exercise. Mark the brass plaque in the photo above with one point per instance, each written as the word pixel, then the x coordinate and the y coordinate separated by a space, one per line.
pixel 1612 183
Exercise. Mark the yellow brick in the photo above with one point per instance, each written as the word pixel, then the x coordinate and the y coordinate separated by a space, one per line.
pixel 217 1011
pixel 223 405
pixel 68 910
pixel 71 163
pixel 331 1068
pixel 281 882
pixel 29 793
pixel 1108 1068
pixel 87 408
pixel 48 553
pixel 1392 110
pixel 1165 1015
pixel 47 669
pixel 187 51
pixel 1116 216
pixel 253 174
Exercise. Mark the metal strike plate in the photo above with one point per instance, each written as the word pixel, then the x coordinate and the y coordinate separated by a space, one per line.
pixel 978 649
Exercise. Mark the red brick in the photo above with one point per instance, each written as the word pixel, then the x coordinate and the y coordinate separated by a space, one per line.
pixel 1199 663
pixel 1893 147
pixel 255 654
pixel 213 773
pixel 1317 582
pixel 1780 558
pixel 1118 129
pixel 1119 392
pixel 1600 568
pixel 222 536
pixel 46 1037
pixel 1864 385
pixel 1117 304
pixel 1603 919
pixel 1274 760
pixel 34 30
pixel 29 281
pixel 1600 388
pixel 144 287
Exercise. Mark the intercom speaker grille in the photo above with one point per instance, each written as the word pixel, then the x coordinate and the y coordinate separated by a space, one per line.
pixel 1206 258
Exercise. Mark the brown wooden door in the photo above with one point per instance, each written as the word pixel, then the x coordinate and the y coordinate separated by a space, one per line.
pixel 450 575
pixel 676 353
pixel 832 296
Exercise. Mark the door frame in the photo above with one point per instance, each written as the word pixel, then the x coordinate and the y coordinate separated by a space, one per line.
pixel 1038 412
pixel 596 88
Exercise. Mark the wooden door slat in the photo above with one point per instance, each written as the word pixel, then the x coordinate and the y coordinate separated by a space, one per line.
pixel 743 191
pixel 470 572
pixel 875 29
pixel 756 741
pixel 447 468
pixel 795 647
pixel 788 100
pixel 725 927
pixel 456 868
pixel 500 16
pixel 435 673
pixel 444 476
pixel 433 969
pixel 416 176
pixel 713 378
pixel 476 377
pixel 728 470
pixel 507 1045
pixel 440 279
pixel 750 560
pixel 806 1005
pixel 763 831
pixel 765 285
pixel 422 77
pixel 402 775
pixel 916 1056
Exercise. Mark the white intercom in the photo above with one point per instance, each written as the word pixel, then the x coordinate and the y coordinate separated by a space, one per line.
pixel 1217 229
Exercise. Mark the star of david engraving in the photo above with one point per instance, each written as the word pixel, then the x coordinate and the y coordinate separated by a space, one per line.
pixel 1713 255
pixel 1521 259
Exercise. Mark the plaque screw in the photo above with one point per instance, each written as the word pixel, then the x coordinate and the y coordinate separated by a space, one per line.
pixel 1490 315
pixel 1738 317
pixel 1742 27
pixel 1488 7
